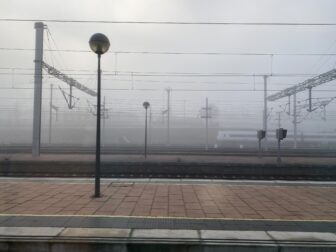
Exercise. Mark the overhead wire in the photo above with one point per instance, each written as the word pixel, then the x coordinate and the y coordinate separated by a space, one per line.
pixel 48 44
pixel 183 74
pixel 315 67
pixel 173 90
pixel 176 53
pixel 171 22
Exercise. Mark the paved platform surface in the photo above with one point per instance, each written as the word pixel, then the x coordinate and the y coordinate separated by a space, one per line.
pixel 291 201
pixel 166 215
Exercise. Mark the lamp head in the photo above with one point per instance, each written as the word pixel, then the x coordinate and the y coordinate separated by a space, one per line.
pixel 146 104
pixel 99 43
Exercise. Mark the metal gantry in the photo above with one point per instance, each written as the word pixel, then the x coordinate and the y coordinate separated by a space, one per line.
pixel 307 84
pixel 39 65
pixel 70 81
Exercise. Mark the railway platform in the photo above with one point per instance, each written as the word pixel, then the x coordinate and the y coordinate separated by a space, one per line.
pixel 60 214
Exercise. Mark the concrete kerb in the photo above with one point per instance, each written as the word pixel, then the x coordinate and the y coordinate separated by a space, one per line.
pixel 254 239
pixel 70 180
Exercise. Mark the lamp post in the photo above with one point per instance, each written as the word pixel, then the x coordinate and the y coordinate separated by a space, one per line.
pixel 146 105
pixel 280 135
pixel 99 44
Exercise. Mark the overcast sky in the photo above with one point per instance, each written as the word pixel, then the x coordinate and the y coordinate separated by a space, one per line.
pixel 234 104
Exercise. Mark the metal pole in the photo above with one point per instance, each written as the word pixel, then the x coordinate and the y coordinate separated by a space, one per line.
pixel 39 26
pixel 259 145
pixel 146 135
pixel 310 99
pixel 168 116
pixel 279 120
pixel 324 113
pixel 104 116
pixel 279 157
pixel 265 111
pixel 207 123
pixel 184 110
pixel 50 111
pixel 97 173
pixel 289 105
pixel 294 120
pixel 13 72
pixel 70 98
pixel 150 126
pixel 132 80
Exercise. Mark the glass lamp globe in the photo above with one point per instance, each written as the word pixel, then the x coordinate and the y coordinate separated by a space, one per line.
pixel 145 104
pixel 99 43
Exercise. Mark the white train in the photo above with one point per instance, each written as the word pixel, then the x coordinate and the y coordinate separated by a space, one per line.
pixel 243 138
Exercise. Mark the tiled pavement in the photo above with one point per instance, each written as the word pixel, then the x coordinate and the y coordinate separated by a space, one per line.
pixel 205 215
pixel 219 201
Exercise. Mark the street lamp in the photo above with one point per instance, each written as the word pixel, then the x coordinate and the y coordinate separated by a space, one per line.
pixel 99 44
pixel 146 105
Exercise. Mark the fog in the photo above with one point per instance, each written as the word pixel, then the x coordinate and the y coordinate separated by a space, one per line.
pixel 195 62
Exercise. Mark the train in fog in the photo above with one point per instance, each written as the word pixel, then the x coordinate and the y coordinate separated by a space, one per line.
pixel 248 139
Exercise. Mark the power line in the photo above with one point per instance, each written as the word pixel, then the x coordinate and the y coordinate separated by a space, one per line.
pixel 169 22
pixel 130 73
pixel 56 50
pixel 149 82
pixel 176 74
pixel 174 90
pixel 175 53
pixel 181 74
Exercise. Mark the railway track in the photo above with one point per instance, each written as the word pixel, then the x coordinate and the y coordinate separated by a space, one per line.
pixel 176 166
pixel 170 150
pixel 175 170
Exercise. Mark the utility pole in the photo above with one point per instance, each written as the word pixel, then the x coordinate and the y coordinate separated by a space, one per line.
pixel 50 111
pixel 13 72
pixel 310 99
pixel 132 80
pixel 207 123
pixel 279 119
pixel 168 116
pixel 146 105
pixel 295 120
pixel 39 27
pixel 324 113
pixel 184 110
pixel 206 116
pixel 150 126
pixel 265 111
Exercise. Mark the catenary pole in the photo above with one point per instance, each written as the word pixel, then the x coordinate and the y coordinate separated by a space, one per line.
pixel 50 111
pixel 207 123
pixel 265 111
pixel 168 116
pixel 39 27
pixel 295 120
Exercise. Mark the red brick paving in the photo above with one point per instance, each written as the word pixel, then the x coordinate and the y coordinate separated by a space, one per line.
pixel 173 200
